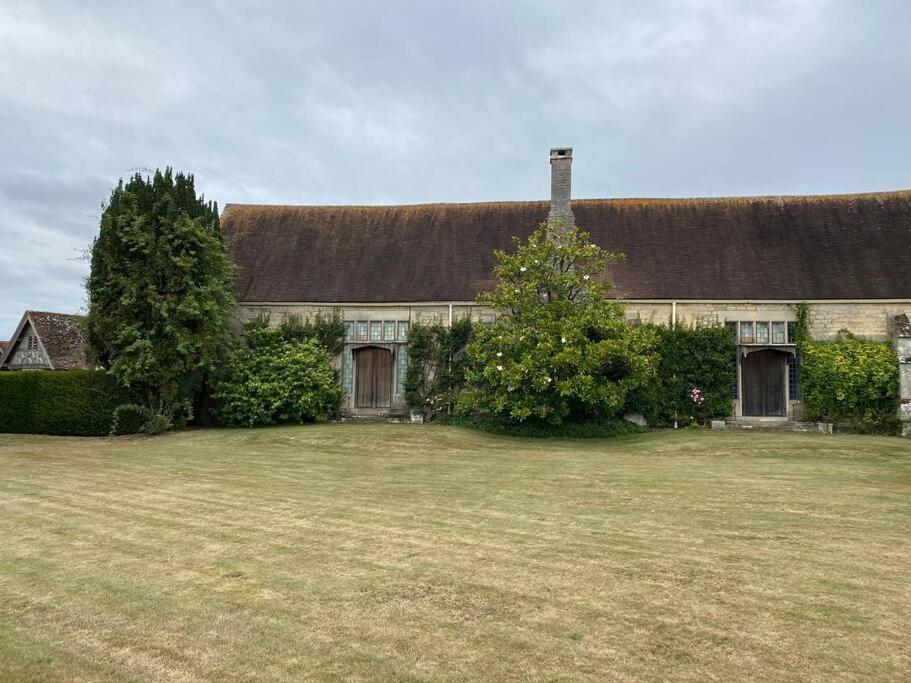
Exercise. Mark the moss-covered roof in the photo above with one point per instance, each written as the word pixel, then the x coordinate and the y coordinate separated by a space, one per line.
pixel 787 248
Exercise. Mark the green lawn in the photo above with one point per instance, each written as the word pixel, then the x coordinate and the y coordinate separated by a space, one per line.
pixel 377 552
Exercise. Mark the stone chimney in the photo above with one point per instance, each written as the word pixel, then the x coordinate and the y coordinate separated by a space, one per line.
pixel 561 213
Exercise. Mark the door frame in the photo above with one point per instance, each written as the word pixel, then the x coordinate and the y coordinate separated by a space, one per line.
pixel 745 350
pixel 354 350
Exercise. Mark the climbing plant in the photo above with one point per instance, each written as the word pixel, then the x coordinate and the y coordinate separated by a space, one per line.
pixel 436 365
pixel 849 379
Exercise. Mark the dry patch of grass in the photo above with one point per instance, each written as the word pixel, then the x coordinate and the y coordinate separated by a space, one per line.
pixel 376 552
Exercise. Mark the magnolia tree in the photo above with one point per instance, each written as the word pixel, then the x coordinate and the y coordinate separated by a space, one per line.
pixel 559 347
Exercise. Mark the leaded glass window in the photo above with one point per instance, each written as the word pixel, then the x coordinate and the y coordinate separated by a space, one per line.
pixel 731 325
pixel 403 331
pixel 778 333
pixel 794 377
pixel 792 332
pixel 349 330
pixel 347 370
pixel 762 333
pixel 401 366
pixel 746 333
pixel 361 330
pixel 376 331
pixel 388 331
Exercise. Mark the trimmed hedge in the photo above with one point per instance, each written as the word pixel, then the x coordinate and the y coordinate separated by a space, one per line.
pixel 64 403
pixel 689 357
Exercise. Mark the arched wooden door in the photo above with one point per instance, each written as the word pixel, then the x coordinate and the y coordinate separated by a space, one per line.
pixel 373 377
pixel 763 375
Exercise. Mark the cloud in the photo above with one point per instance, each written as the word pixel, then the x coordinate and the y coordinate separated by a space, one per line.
pixel 352 102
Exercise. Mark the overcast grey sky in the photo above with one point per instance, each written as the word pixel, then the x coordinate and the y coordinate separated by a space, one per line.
pixel 403 102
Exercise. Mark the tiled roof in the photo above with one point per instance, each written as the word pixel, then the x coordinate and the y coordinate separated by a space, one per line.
pixel 62 337
pixel 779 248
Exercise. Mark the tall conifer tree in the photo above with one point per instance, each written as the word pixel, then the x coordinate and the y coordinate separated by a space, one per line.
pixel 160 299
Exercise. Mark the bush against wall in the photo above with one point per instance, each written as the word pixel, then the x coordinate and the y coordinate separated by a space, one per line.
pixel 849 379
pixel 559 348
pixel 436 365
pixel 71 403
pixel 689 358
pixel 327 330
pixel 273 380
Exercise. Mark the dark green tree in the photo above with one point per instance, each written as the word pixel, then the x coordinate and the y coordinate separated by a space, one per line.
pixel 559 348
pixel 160 299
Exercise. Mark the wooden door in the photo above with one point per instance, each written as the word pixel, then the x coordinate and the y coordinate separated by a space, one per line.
pixel 373 368
pixel 762 375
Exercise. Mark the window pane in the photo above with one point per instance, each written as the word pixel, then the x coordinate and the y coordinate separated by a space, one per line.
pixel 762 333
pixel 778 336
pixel 403 331
pixel 735 392
pixel 401 365
pixel 361 330
pixel 388 331
pixel 376 330
pixel 746 333
pixel 347 370
pixel 794 378
pixel 349 331
pixel 792 332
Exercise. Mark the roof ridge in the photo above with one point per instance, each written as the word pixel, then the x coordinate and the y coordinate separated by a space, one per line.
pixel 76 315
pixel 906 192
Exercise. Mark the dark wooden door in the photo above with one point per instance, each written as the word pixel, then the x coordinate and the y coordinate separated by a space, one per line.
pixel 374 378
pixel 762 374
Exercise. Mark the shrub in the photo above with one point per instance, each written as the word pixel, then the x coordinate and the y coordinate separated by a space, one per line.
pixel 65 403
pixel 848 380
pixel 689 358
pixel 436 365
pixel 327 330
pixel 560 348
pixel 273 381
pixel 129 418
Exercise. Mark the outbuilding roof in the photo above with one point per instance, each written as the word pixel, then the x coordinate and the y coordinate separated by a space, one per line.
pixel 61 336
pixel 744 248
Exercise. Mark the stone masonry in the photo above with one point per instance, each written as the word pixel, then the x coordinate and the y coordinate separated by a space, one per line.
pixel 901 339
pixel 561 213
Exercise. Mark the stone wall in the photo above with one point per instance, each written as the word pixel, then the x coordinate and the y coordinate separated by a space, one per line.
pixel 901 340
pixel 866 319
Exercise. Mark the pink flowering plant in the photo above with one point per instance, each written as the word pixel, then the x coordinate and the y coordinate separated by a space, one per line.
pixel 559 347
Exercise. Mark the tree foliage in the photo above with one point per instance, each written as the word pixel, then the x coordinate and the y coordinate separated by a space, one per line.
pixel 160 299
pixel 848 379
pixel 688 357
pixel 436 365
pixel 559 347
pixel 327 330
pixel 275 379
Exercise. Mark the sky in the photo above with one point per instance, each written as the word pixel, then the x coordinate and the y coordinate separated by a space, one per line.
pixel 409 102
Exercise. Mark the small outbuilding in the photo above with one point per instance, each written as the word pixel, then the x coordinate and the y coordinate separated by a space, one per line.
pixel 46 341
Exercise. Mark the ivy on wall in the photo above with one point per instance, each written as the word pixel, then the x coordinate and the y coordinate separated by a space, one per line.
pixel 849 379
pixel 700 358
pixel 436 369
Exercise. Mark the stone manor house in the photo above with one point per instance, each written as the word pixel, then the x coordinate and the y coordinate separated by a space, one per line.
pixel 743 262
